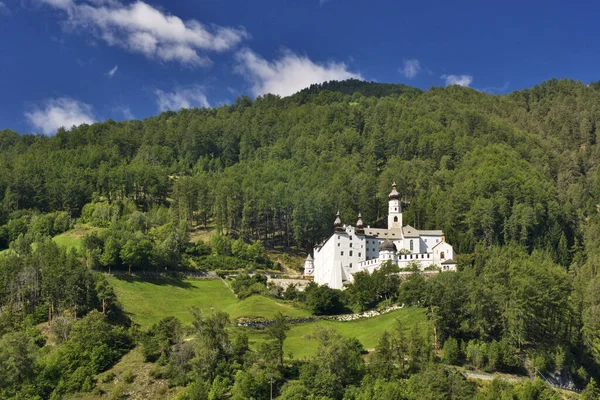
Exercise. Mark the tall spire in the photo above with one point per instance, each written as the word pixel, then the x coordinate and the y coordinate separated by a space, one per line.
pixel 394 209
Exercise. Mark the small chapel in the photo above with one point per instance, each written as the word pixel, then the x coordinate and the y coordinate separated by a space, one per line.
pixel 351 249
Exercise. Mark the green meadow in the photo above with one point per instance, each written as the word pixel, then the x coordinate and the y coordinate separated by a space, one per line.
pixel 299 343
pixel 147 302
pixel 74 237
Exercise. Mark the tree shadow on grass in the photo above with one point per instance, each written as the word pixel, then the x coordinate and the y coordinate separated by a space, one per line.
pixel 155 280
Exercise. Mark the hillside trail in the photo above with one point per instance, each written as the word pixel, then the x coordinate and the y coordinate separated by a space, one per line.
pixel 227 286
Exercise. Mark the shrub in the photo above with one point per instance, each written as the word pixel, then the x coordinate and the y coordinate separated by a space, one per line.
pixel 109 377
pixel 221 245
pixel 476 353
pixel 291 292
pixel 245 285
pixel 216 262
pixel 118 392
pixel 128 376
pixel 451 352
pixel 323 300
pixel 61 328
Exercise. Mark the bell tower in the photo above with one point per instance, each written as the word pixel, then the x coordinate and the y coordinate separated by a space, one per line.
pixel 394 209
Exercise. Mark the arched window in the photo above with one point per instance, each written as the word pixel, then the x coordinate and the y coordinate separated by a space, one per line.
pixel 411 245
pixel 395 219
pixel 442 255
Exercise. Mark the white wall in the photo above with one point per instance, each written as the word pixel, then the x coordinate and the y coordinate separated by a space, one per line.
pixel 324 260
pixel 428 241
pixel 446 249
pixel 394 211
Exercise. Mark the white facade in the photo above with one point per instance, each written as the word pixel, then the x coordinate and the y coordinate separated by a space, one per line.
pixel 351 249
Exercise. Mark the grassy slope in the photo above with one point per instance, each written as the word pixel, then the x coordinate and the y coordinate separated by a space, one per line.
pixel 73 238
pixel 261 306
pixel 367 331
pixel 148 302
pixel 69 239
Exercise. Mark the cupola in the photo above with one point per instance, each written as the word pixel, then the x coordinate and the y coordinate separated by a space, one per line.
pixel 337 224
pixel 387 245
pixel 360 228
pixel 394 195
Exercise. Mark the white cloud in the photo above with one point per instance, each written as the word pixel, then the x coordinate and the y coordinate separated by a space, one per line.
pixel 411 68
pixel 60 112
pixel 497 89
pixel 140 28
pixel 112 72
pixel 289 74
pixel 460 80
pixel 184 97
pixel 127 114
pixel 4 10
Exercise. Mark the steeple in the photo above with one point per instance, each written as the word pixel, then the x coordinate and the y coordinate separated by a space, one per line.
pixel 394 209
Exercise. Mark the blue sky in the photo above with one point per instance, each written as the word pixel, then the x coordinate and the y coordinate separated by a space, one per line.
pixel 65 62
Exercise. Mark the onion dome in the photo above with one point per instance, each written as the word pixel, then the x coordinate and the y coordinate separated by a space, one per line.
pixel 394 195
pixel 387 245
pixel 360 228
pixel 337 224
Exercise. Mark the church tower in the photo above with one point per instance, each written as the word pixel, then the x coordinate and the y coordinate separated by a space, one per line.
pixel 394 210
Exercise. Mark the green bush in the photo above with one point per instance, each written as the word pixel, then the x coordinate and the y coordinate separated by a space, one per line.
pixel 109 377
pixel 128 376
pixel 451 352
pixel 323 300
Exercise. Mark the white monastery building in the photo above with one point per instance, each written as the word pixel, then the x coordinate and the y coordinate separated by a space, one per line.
pixel 355 248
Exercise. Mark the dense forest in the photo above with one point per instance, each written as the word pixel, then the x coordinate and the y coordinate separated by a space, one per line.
pixel 513 180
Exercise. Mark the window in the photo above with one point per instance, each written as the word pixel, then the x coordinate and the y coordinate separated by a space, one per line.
pixel 425 240
pixel 350 265
pixel 341 253
pixel 338 244
pixel 442 255
pixel 395 219
pixel 350 253
pixel 411 256
pixel 359 254
pixel 395 208
pixel 411 245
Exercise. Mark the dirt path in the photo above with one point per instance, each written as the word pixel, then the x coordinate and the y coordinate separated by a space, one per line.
pixel 489 377
pixel 227 286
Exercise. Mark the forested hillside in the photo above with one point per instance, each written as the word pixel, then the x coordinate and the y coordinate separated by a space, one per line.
pixel 513 180
pixel 492 169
